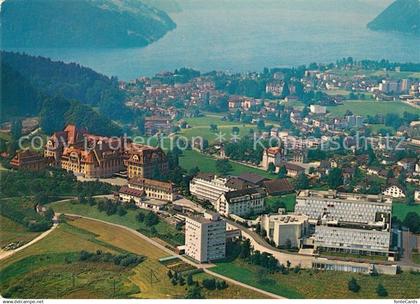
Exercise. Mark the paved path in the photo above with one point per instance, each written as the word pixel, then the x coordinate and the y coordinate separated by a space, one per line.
pixel 261 245
pixel 6 254
pixel 205 267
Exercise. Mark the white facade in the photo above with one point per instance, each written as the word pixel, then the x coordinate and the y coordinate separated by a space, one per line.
pixel 208 189
pixel 281 228
pixel 317 109
pixel 205 237
pixel 394 191
pixel 348 222
pixel 417 196
pixel 352 239
pixel 344 207
pixel 241 202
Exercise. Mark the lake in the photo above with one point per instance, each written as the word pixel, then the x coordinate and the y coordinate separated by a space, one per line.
pixel 249 39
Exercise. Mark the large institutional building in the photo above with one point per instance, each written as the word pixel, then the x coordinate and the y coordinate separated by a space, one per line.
pixel 241 202
pixel 208 187
pixel 286 230
pixel 205 237
pixel 345 222
pixel 95 156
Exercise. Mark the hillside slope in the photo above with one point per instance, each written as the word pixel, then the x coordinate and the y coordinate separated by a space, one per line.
pixel 59 93
pixel 81 23
pixel 401 16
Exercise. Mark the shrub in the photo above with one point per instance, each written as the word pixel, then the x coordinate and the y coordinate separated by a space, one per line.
pixel 140 217
pixel 209 284
pixel 381 291
pixel 121 211
pixel 353 285
pixel 190 280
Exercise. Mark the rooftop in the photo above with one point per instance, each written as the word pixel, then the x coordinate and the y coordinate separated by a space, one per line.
pixel 332 194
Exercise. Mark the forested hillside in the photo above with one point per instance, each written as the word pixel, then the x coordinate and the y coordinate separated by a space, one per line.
pixel 401 16
pixel 59 93
pixel 81 23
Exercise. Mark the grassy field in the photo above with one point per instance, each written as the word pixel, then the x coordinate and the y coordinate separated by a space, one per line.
pixel 18 209
pixel 46 269
pixel 164 230
pixel 371 108
pixel 12 231
pixel 400 210
pixel 191 159
pixel 232 292
pixel 200 127
pixel 416 258
pixel 320 285
pixel 288 200
pixel 376 128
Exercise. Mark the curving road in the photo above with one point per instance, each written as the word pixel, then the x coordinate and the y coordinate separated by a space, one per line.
pixel 205 267
pixel 6 254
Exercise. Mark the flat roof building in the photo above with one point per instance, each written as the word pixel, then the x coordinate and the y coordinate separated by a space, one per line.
pixel 347 222
pixel 205 237
pixel 285 230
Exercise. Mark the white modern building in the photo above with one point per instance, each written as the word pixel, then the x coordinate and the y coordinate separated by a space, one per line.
pixel 205 237
pixel 346 222
pixel 285 230
pixel 317 109
pixel 241 202
pixel 208 187
pixel 343 207
pixel 332 238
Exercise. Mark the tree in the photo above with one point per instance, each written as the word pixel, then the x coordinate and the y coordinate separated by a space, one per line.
pixel 209 284
pixel 121 211
pixel 140 217
pixel 302 182
pixel 271 167
pixel 223 166
pixel 282 172
pixel 235 130
pixel 16 130
pixel 213 127
pixel 190 280
pixel 261 124
pixel 353 285
pixel 151 219
pixel 194 293
pixel 335 178
pixel 412 222
pixel 286 90
pixel 381 291
pixel 245 249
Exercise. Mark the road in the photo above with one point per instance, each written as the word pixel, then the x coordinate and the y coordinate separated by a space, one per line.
pixel 205 267
pixel 261 245
pixel 6 254
pixel 409 242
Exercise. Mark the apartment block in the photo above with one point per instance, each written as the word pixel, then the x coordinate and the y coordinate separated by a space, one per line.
pixel 205 237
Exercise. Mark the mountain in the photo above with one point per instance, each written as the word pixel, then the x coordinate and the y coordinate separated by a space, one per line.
pixel 81 23
pixel 59 93
pixel 401 16
pixel 169 6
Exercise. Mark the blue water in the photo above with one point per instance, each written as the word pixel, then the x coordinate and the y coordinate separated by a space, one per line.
pixel 249 39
